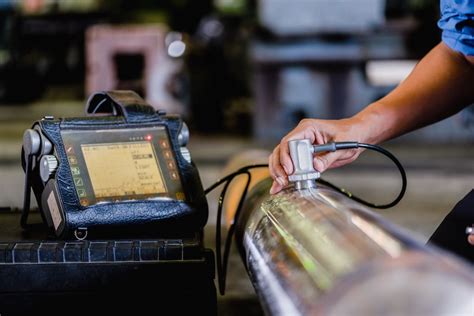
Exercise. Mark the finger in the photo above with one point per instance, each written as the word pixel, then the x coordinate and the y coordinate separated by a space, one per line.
pixel 322 162
pixel 341 161
pixel 276 187
pixel 278 173
pixel 470 239
pixel 278 170
pixel 270 166
pixel 285 158
pixel 275 170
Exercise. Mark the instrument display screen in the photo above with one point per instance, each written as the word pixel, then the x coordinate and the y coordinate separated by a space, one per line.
pixel 114 177
pixel 122 164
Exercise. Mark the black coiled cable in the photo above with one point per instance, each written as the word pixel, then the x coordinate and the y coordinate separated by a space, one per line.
pixel 353 145
pixel 222 261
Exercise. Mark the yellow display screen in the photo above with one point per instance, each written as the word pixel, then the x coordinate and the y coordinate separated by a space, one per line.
pixel 122 164
pixel 129 169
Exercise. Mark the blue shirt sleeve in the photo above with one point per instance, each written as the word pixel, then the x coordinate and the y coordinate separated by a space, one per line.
pixel 457 24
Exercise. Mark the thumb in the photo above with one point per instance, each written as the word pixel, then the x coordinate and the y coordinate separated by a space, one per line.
pixel 323 161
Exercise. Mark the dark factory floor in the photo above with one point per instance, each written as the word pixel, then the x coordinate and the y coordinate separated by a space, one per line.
pixel 438 176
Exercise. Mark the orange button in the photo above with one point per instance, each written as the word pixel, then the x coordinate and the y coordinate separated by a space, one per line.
pixel 174 175
pixel 167 154
pixel 164 143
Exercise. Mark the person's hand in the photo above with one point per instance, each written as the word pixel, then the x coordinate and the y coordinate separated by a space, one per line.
pixel 318 132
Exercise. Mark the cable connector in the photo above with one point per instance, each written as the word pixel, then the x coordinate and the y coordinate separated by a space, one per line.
pixel 324 148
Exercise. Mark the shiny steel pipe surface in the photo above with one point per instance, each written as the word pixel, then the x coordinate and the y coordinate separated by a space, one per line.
pixel 316 252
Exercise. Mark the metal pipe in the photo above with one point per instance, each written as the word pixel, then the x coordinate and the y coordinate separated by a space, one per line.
pixel 314 251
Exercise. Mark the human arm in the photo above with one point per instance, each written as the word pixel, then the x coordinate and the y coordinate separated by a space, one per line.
pixel 438 87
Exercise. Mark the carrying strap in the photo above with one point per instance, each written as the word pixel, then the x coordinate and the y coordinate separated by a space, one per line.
pixel 124 103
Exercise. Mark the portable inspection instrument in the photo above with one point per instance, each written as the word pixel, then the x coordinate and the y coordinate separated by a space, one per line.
pixel 124 166
pixel 125 210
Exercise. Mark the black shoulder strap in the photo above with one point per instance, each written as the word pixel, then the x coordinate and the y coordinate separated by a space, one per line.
pixel 125 103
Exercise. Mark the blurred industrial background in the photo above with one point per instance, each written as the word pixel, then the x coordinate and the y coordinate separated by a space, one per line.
pixel 242 74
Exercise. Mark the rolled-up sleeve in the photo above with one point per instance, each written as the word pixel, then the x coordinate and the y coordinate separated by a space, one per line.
pixel 457 24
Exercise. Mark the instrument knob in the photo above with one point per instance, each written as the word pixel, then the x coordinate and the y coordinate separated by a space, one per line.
pixel 31 142
pixel 183 136
pixel 48 166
